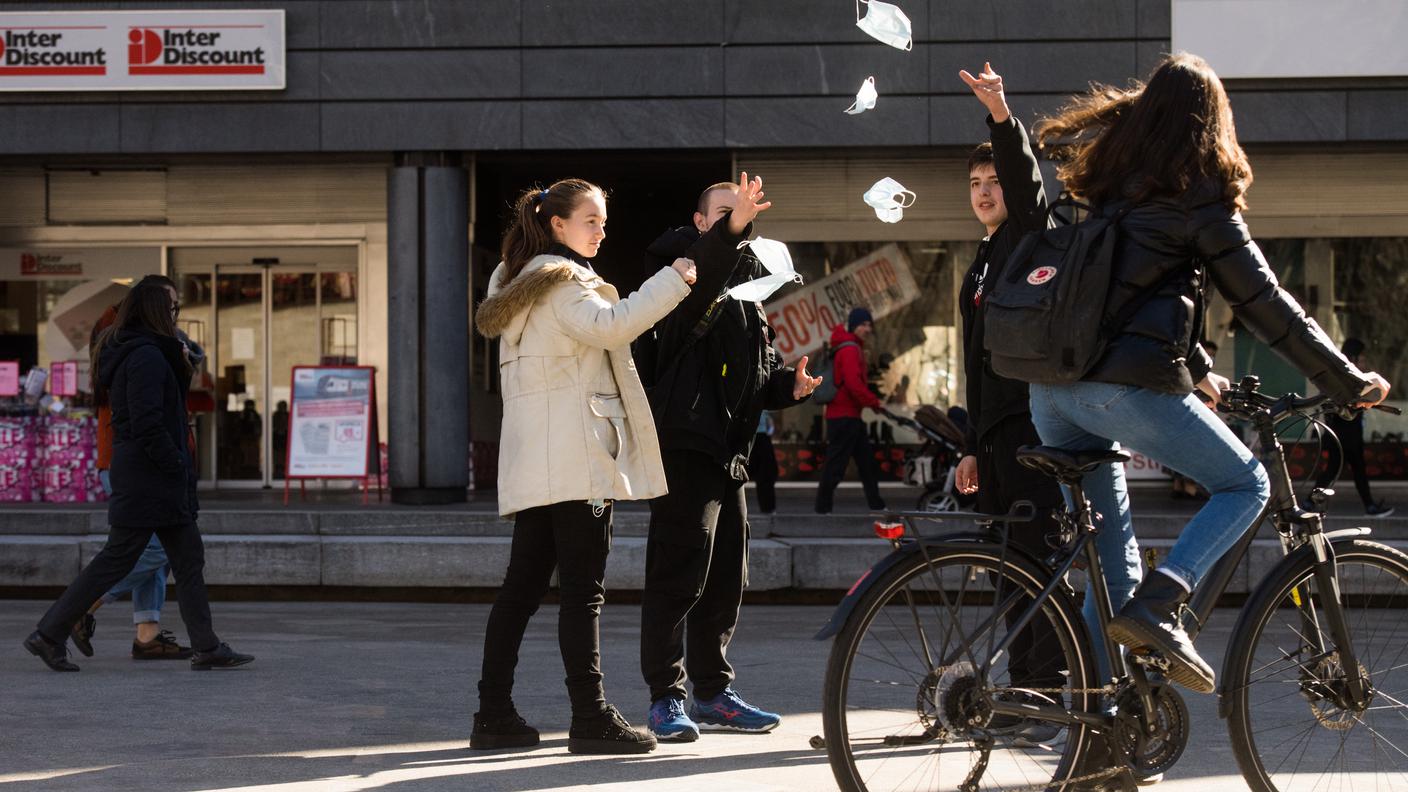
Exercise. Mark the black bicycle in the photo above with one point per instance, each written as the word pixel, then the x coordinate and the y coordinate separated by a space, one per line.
pixel 962 662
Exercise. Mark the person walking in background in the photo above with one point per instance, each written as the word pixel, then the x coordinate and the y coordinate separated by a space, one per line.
pixel 146 371
pixel 762 464
pixel 577 436
pixel 147 580
pixel 716 371
pixel 845 431
pixel 1350 449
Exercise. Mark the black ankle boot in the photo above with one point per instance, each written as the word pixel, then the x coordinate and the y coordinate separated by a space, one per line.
pixel 607 733
pixel 1150 622
pixel 496 731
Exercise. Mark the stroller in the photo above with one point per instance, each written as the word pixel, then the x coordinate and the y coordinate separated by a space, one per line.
pixel 932 467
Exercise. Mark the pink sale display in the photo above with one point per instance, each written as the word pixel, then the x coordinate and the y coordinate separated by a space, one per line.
pixel 67 449
pixel 18 458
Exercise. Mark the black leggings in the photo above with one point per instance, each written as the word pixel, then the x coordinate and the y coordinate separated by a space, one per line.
pixel 574 539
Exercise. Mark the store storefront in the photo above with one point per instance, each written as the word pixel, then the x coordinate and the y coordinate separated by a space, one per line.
pixel 284 286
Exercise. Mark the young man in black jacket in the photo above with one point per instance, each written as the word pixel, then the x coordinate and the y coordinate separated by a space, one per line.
pixel 714 372
pixel 1005 190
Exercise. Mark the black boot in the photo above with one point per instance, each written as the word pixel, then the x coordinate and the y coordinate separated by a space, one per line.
pixel 607 733
pixel 495 731
pixel 1150 622
pixel 221 656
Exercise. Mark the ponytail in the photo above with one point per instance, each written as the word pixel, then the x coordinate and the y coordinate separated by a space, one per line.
pixel 530 234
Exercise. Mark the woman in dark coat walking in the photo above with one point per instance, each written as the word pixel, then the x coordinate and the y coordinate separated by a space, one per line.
pixel 142 364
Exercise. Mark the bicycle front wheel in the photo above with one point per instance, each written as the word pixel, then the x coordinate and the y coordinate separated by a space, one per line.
pixel 909 682
pixel 1293 725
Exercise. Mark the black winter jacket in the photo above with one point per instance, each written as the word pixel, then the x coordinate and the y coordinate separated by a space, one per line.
pixel 1159 347
pixel 709 398
pixel 153 479
pixel 992 398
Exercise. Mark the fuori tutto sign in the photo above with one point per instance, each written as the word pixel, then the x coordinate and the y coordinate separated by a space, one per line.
pixel 142 51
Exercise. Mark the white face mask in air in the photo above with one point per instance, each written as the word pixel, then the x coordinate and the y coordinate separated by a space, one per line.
pixel 865 97
pixel 889 199
pixel 777 261
pixel 885 22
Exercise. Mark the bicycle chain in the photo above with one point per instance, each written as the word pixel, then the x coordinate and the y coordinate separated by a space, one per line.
pixel 1110 772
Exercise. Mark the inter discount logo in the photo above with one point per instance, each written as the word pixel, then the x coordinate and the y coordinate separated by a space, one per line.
pixel 47 52
pixel 153 50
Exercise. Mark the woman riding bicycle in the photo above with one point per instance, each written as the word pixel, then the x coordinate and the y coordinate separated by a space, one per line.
pixel 1166 156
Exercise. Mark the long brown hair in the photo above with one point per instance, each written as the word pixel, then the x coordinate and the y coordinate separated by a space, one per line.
pixel 146 308
pixel 1147 140
pixel 531 232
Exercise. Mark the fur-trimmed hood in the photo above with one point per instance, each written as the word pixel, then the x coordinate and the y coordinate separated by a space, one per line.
pixel 505 311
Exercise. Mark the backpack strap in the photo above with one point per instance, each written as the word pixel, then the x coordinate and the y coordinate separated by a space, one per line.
pixel 1112 326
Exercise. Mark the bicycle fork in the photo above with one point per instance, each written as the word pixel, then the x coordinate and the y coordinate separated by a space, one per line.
pixel 1327 583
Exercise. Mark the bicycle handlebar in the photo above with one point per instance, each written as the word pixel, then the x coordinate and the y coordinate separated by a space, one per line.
pixel 1244 395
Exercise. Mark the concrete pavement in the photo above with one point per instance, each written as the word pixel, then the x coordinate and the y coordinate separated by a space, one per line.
pixel 379 696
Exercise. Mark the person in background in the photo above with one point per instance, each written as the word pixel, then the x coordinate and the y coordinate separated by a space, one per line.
pixel 146 370
pixel 845 431
pixel 147 580
pixel 1350 449
pixel 762 464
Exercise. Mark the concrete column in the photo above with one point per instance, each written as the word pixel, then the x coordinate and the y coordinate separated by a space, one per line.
pixel 428 328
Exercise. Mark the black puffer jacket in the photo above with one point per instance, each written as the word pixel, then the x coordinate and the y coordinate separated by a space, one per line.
pixel 153 480
pixel 708 396
pixel 1158 347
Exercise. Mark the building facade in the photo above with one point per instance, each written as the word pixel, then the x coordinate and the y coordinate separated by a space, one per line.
pixel 352 216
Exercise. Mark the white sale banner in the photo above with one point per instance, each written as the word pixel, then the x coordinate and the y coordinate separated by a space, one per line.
pixel 880 281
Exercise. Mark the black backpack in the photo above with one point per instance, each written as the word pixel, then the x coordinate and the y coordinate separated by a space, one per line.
pixel 1045 319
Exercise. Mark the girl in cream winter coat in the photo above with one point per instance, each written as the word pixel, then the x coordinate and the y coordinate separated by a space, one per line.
pixel 577 435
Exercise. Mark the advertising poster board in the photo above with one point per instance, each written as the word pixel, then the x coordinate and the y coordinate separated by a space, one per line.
pixel 332 431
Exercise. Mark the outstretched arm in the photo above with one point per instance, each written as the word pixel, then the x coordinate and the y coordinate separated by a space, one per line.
pixel 1017 171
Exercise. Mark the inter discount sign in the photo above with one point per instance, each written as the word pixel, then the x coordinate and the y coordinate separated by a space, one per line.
pixel 142 50
pixel 804 318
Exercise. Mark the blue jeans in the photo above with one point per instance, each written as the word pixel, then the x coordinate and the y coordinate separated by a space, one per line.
pixel 1179 432
pixel 146 581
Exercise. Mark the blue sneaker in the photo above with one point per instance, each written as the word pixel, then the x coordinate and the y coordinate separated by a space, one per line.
pixel 668 722
pixel 728 712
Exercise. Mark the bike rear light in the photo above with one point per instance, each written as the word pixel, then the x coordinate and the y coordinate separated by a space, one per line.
pixel 889 531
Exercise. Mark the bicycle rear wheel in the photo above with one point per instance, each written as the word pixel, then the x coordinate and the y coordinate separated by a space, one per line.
pixel 904 705
pixel 1292 728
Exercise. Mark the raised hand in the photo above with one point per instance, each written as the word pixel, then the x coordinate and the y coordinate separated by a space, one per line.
pixel 805 382
pixel 988 88
pixel 750 203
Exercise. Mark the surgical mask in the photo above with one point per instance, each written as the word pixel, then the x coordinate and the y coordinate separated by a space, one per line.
pixel 777 261
pixel 889 199
pixel 865 97
pixel 886 23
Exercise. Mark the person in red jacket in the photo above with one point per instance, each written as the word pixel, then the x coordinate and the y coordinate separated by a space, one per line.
pixel 845 431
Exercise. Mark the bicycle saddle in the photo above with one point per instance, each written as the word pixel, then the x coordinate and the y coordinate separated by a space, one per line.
pixel 1064 463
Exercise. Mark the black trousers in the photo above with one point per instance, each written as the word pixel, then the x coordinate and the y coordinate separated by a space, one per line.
pixel 117 558
pixel 696 565
pixel 846 440
pixel 574 539
pixel 1002 481
pixel 762 469
pixel 1350 452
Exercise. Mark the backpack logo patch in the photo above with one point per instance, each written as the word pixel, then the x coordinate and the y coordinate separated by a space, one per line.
pixel 1041 275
